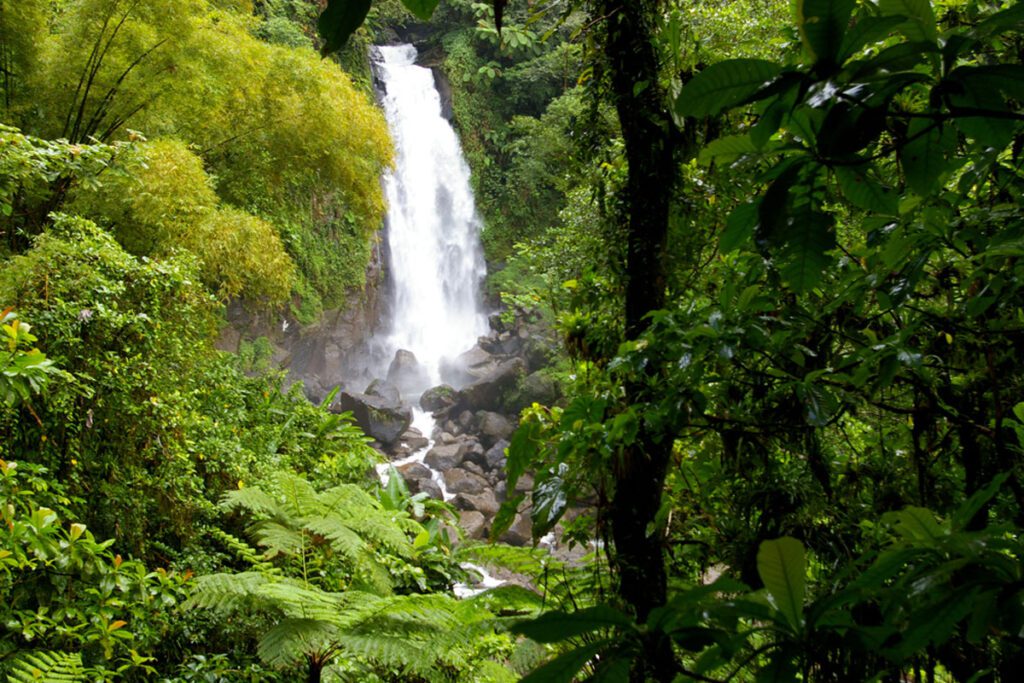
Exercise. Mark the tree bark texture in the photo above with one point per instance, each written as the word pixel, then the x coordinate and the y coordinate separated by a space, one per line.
pixel 648 132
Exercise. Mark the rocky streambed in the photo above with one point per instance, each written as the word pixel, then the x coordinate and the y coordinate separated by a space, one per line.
pixel 451 442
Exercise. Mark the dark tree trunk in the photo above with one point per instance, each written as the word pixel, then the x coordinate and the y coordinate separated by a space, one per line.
pixel 648 131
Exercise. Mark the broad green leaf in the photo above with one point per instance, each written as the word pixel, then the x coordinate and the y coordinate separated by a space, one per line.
pixel 552 627
pixel 781 565
pixel 864 33
pixel 423 9
pixel 340 20
pixel 963 515
pixel 921 24
pixel 822 25
pixel 738 228
pixel 803 259
pixel 563 669
pixel 725 85
pixel 934 623
pixel 1010 19
pixel 864 192
pixel 728 148
pixel 924 156
pixel 550 501
pixel 914 524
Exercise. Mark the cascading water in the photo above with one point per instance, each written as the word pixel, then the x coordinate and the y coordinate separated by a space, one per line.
pixel 436 262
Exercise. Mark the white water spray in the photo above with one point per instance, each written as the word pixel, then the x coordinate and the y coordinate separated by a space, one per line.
pixel 433 229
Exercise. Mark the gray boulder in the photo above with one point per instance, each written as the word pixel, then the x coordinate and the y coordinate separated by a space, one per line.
pixel 443 458
pixel 437 398
pixel 385 390
pixel 495 455
pixel 520 533
pixel 380 418
pixel 406 373
pixel 490 392
pixel 460 481
pixel 473 524
pixel 493 427
pixel 485 503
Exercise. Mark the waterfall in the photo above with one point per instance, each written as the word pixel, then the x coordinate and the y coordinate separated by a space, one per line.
pixel 436 262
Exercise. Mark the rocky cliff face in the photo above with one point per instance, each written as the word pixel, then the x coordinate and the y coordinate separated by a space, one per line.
pixel 326 353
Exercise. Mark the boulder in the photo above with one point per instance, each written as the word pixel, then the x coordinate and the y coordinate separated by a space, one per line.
pixel 437 398
pixel 495 455
pixel 406 373
pixel 525 483
pixel 469 366
pixel 444 458
pixel 414 470
pixel 489 392
pixel 419 479
pixel 414 439
pixel 486 503
pixel 471 466
pixel 380 418
pixel 520 533
pixel 537 387
pixel 429 487
pixel 473 523
pixel 493 427
pixel 458 480
pixel 385 390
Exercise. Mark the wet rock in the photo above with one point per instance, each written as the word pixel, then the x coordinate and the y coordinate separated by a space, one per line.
pixel 493 427
pixel 535 388
pixel 495 455
pixel 458 480
pixel 380 418
pixel 447 438
pixel 473 523
pixel 465 420
pixel 437 398
pixel 406 373
pixel 443 458
pixel 525 483
pixel 385 390
pixel 489 392
pixel 471 466
pixel 414 439
pixel 429 487
pixel 414 470
pixel 469 366
pixel 519 533
pixel 485 503
pixel 501 491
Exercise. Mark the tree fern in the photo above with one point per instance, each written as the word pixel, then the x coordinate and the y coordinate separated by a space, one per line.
pixel 46 667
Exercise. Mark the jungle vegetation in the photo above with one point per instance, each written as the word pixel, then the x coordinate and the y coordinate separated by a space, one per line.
pixel 779 243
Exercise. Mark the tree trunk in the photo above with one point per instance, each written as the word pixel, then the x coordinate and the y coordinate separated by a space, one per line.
pixel 648 131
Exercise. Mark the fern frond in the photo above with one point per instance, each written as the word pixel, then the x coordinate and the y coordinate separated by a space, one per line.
pixel 226 593
pixel 532 562
pixel 253 500
pixel 292 639
pixel 347 497
pixel 298 601
pixel 279 539
pixel 381 529
pixel 242 550
pixel 297 496
pixel 46 667
pixel 343 538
